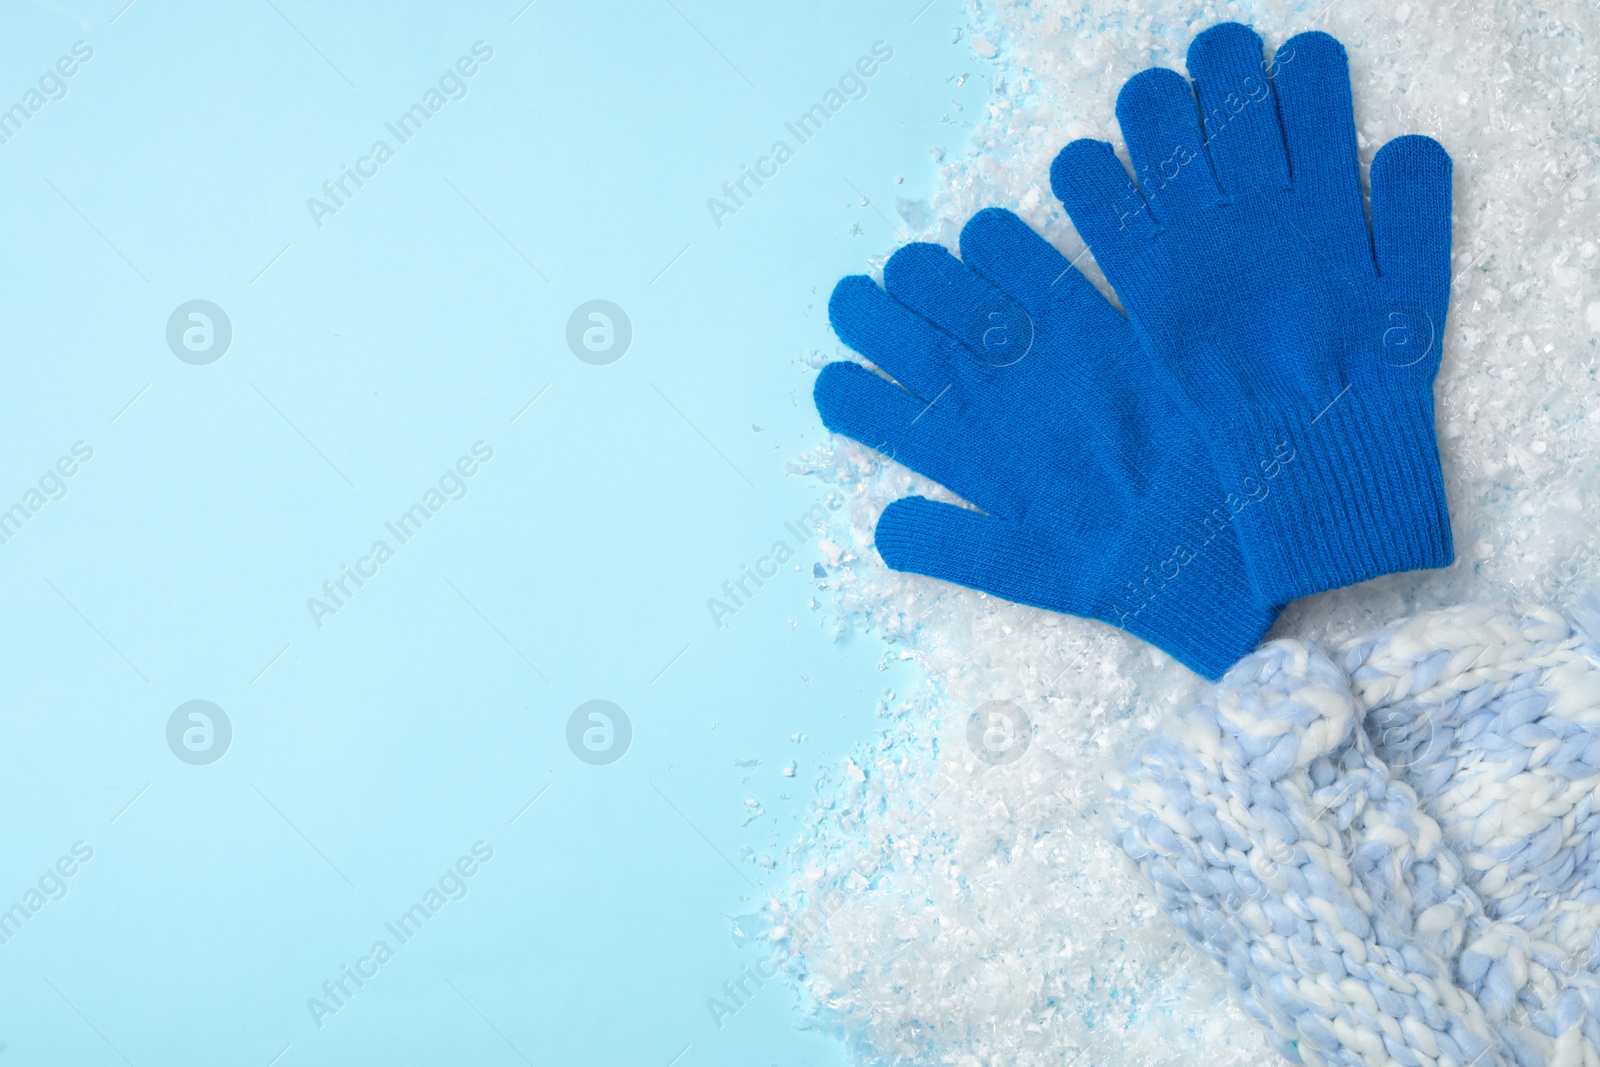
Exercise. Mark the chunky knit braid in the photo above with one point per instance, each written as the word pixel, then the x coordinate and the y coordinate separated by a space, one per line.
pixel 1281 827
pixel 1494 718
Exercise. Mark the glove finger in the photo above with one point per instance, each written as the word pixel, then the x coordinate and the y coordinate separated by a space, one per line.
pixel 1104 203
pixel 1156 111
pixel 1104 384
pixel 914 354
pixel 1007 251
pixel 1411 221
pixel 1107 381
pixel 968 548
pixel 1242 130
pixel 864 407
pixel 1311 76
pixel 996 330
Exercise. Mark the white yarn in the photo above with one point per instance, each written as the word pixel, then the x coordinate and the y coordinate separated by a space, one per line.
pixel 1281 826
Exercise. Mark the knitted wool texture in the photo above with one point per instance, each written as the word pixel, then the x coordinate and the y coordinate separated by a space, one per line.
pixel 1281 827
pixel 1283 329
pixel 1022 390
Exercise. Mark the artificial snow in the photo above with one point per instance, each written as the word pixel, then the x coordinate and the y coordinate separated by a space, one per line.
pixel 960 910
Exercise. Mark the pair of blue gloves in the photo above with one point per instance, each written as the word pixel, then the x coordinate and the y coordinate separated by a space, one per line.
pixel 1260 424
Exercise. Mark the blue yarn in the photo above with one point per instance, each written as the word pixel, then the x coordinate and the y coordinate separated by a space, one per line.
pixel 1023 391
pixel 1421 884
pixel 1302 348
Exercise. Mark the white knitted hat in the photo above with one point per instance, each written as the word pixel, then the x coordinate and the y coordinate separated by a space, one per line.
pixel 1394 857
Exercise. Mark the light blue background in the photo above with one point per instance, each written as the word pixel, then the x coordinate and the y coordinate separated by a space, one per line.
pixel 367 356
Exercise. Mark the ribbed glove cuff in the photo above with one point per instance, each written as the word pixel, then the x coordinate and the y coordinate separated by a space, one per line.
pixel 1348 494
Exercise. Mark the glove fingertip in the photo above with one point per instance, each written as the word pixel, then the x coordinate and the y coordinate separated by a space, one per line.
pixel 1321 48
pixel 899 534
pixel 1411 194
pixel 1411 155
pixel 1223 37
pixel 832 392
pixel 1073 161
pixel 988 227
pixel 1105 205
pixel 1147 91
pixel 913 262
pixel 852 302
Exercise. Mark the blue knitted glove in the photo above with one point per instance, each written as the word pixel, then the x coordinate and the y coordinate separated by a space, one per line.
pixel 1023 391
pixel 1302 349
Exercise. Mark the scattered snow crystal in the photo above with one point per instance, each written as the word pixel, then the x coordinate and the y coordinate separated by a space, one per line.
pixel 953 912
